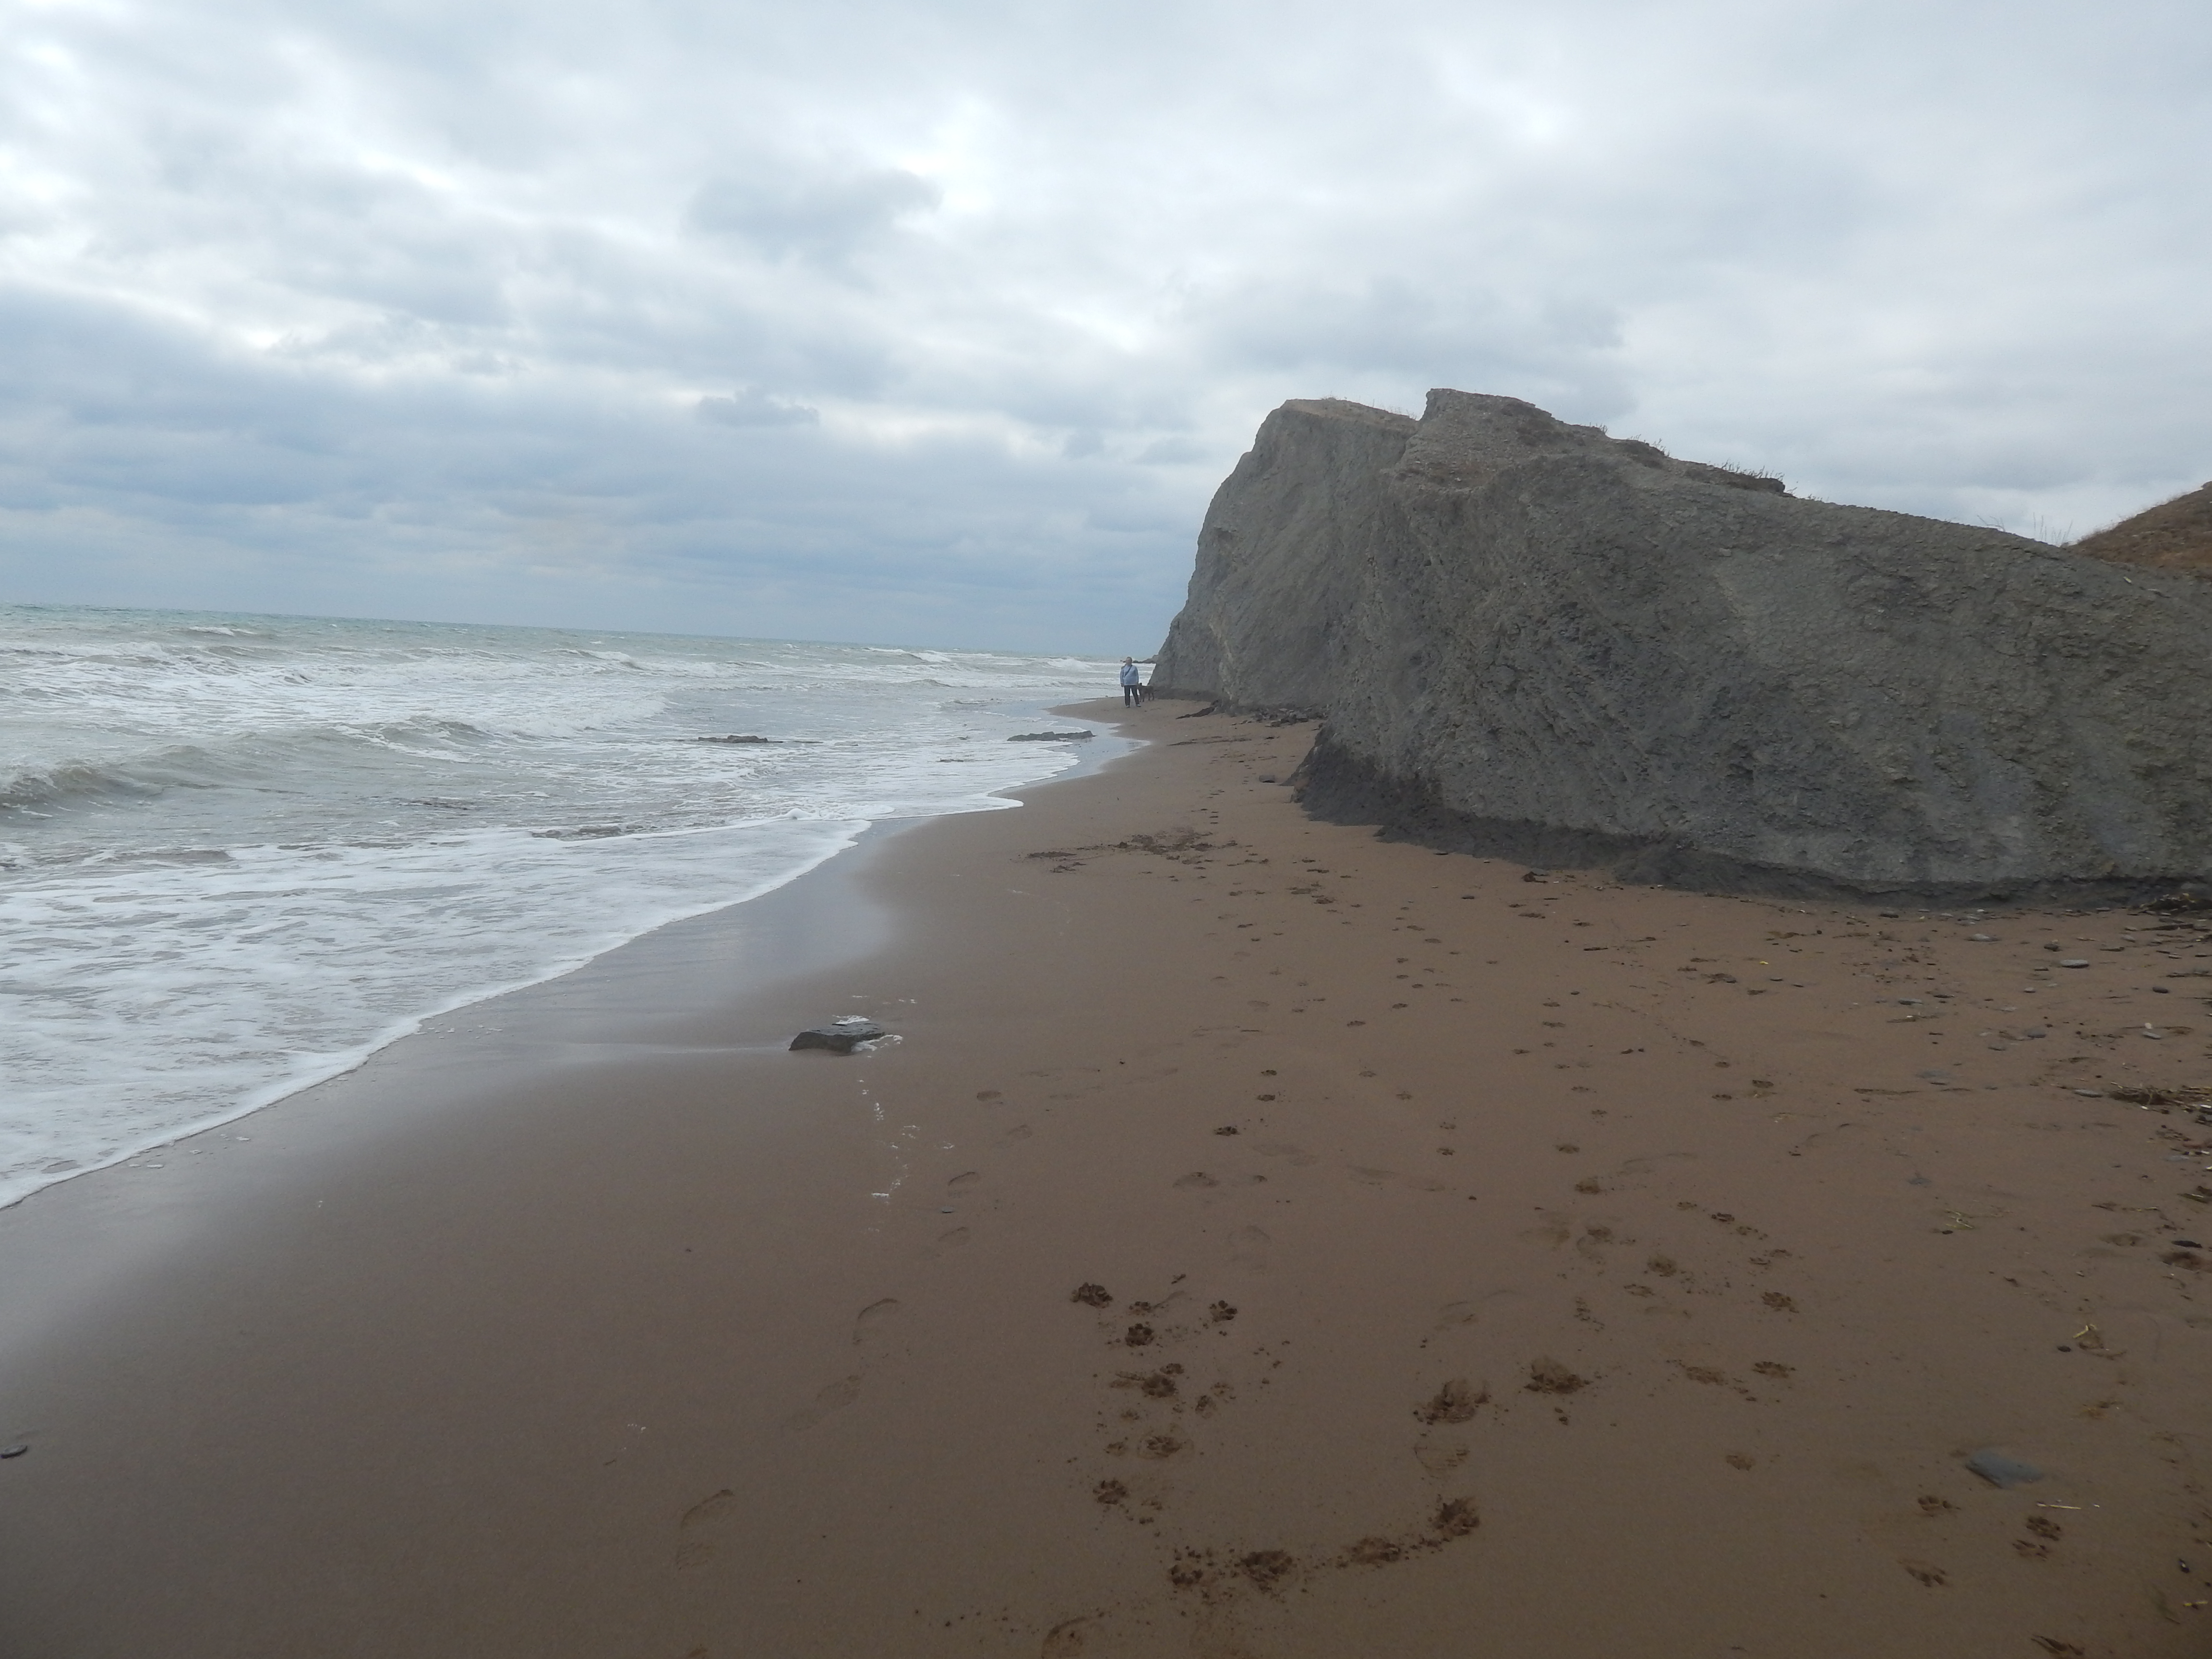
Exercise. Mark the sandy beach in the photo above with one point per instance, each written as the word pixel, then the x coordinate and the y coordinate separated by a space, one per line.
pixel 1262 1240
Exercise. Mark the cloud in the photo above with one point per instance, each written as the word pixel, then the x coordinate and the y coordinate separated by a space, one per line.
pixel 686 314
pixel 751 408
pixel 824 217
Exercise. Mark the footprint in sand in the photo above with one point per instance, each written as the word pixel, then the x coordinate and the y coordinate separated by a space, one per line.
pixel 1457 1401
pixel 1391 1178
pixel 839 1395
pixel 709 1509
pixel 960 1184
pixel 1591 1245
pixel 1440 1457
pixel 952 1241
pixel 873 1319
pixel 1250 1248
pixel 1197 1180
pixel 1554 1231
pixel 704 1513
pixel 1019 1132
pixel 1067 1639
pixel 1297 1156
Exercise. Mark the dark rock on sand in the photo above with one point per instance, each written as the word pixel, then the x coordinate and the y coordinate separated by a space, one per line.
pixel 1530 640
pixel 840 1036
pixel 2001 1469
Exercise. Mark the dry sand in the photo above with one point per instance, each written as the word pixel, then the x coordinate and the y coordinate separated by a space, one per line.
pixel 1264 1241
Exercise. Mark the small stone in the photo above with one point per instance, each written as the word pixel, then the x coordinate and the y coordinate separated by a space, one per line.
pixel 16 1450
pixel 2072 962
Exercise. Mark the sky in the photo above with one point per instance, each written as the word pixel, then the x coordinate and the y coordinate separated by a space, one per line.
pixel 939 323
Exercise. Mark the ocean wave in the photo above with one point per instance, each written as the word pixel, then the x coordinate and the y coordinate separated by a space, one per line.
pixel 50 788
pixel 237 852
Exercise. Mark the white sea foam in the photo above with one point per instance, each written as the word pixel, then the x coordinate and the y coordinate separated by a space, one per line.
pixel 239 853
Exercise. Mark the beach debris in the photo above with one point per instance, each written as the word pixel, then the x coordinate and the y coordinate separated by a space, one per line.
pixel 2001 1469
pixel 841 1035
pixel 1050 737
pixel 16 1450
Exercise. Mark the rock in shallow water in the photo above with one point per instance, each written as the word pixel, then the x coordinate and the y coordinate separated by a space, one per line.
pixel 840 1036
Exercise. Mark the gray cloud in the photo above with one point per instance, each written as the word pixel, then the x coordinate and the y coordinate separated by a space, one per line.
pixel 751 408
pixel 671 314
pixel 826 217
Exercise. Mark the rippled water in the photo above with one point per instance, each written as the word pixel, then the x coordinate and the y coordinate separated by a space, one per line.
pixel 238 853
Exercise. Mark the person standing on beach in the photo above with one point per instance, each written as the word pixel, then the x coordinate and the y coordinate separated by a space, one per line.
pixel 1133 682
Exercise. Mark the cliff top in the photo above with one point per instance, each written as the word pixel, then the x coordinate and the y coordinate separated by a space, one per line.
pixel 2175 535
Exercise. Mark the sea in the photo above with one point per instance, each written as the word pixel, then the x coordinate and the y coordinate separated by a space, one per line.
pixel 240 853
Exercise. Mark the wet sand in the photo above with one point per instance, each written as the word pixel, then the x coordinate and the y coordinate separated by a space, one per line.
pixel 1264 1240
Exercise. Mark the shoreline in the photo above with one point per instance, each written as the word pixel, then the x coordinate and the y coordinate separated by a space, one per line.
pixel 1449 1283
pixel 344 1063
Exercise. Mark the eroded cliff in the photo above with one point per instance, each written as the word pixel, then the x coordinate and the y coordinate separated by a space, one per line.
pixel 1529 638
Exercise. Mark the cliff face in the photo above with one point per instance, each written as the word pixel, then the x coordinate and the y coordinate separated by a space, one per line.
pixel 1530 639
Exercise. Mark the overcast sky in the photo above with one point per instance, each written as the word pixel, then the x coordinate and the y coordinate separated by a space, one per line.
pixel 939 322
